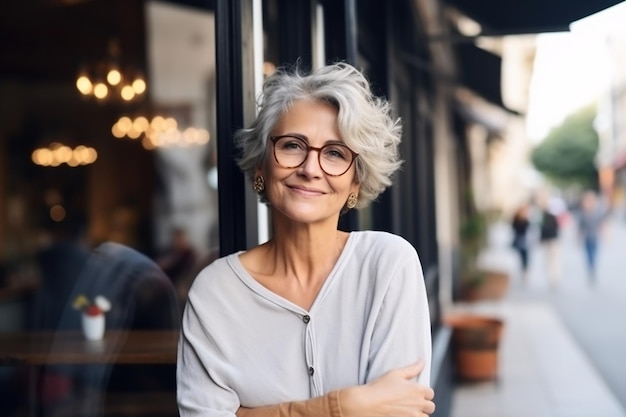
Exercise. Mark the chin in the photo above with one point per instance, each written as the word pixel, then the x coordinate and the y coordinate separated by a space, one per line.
pixel 308 214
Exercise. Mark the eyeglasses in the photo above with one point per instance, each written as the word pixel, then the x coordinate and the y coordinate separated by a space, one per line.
pixel 290 151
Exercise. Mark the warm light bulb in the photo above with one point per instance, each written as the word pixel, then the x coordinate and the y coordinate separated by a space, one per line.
pixel 80 154
pixel 157 123
pixel 117 131
pixel 46 157
pixel 41 156
pixel 156 139
pixel 63 153
pixel 147 143
pixel 92 155
pixel 124 123
pixel 139 86
pixel 133 133
pixel 128 93
pixel 114 77
pixel 83 84
pixel 203 137
pixel 141 124
pixel 169 125
pixel 100 90
pixel 73 162
pixel 188 136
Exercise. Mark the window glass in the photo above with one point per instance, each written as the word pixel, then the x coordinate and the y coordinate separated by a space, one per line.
pixel 108 199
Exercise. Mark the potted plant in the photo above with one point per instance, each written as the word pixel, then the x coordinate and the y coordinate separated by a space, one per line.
pixel 475 345
pixel 93 319
pixel 476 337
pixel 478 282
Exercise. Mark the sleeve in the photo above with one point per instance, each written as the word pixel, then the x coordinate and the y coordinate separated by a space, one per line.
pixel 201 389
pixel 324 406
pixel 402 331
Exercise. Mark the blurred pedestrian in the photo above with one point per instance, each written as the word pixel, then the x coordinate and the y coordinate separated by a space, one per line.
pixel 591 220
pixel 178 260
pixel 520 225
pixel 549 240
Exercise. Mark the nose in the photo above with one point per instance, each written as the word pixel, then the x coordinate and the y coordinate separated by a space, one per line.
pixel 311 165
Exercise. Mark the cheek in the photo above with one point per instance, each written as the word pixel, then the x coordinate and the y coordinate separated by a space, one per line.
pixel 273 178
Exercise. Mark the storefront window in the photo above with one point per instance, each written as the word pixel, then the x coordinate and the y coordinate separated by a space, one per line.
pixel 108 190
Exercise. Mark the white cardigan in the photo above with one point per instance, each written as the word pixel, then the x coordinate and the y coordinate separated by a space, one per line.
pixel 242 344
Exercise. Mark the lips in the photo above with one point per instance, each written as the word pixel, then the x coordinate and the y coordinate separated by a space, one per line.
pixel 306 190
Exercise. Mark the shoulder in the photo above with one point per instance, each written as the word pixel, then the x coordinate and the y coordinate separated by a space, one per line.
pixel 218 264
pixel 377 244
pixel 374 237
pixel 386 260
pixel 216 274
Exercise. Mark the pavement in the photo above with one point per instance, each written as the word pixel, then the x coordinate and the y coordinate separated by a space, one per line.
pixel 562 349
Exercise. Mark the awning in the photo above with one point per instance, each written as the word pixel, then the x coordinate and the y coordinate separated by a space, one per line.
pixel 501 17
pixel 481 72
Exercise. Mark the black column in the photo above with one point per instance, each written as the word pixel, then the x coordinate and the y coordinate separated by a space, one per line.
pixel 232 211
pixel 340 30
pixel 295 33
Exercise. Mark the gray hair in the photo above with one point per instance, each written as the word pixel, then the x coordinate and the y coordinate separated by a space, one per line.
pixel 365 122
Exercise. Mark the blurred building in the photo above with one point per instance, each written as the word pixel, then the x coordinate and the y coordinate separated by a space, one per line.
pixel 610 123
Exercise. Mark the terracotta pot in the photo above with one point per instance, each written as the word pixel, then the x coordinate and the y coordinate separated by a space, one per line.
pixel 475 343
pixel 493 286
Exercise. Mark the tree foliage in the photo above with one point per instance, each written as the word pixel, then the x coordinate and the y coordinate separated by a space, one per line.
pixel 566 156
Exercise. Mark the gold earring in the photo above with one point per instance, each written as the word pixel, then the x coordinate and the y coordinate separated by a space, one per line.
pixel 352 200
pixel 258 184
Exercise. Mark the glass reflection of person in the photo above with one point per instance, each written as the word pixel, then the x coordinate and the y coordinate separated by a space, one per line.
pixel 316 321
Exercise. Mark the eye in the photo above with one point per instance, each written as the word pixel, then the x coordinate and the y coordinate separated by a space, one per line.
pixel 336 152
pixel 289 143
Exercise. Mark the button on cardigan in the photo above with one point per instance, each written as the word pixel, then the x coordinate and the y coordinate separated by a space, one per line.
pixel 243 345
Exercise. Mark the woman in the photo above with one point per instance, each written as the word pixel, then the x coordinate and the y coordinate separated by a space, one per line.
pixel 315 322
pixel 520 225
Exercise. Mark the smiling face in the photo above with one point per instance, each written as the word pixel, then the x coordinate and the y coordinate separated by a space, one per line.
pixel 306 194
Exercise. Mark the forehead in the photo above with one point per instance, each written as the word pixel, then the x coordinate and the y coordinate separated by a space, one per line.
pixel 309 118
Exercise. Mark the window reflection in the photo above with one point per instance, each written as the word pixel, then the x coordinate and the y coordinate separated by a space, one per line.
pixel 78 175
pixel 181 51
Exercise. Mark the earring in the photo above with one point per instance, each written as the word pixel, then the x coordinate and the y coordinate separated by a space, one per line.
pixel 258 184
pixel 352 200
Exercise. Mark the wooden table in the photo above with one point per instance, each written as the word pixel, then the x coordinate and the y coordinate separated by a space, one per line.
pixel 37 350
pixel 69 347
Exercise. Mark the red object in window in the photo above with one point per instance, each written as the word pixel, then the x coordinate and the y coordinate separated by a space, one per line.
pixel 93 310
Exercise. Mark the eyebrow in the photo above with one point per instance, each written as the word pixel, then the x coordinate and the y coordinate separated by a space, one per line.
pixel 306 139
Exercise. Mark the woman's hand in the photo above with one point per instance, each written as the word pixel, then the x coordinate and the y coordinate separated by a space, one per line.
pixel 395 394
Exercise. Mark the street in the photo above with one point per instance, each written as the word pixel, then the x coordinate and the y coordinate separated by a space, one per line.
pixel 594 314
pixel 561 351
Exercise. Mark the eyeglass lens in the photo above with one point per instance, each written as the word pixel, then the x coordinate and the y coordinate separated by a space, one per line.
pixel 291 152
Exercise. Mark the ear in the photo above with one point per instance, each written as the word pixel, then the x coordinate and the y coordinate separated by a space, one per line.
pixel 355 188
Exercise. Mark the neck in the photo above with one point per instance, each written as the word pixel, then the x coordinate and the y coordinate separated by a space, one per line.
pixel 306 252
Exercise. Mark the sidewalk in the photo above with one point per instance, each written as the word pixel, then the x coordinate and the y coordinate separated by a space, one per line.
pixel 543 370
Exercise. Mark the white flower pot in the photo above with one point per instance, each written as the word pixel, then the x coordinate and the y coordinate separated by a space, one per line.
pixel 93 327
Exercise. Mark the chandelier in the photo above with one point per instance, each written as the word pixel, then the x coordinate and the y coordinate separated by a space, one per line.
pixel 57 154
pixel 159 132
pixel 108 80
